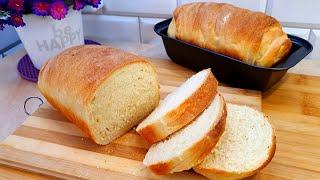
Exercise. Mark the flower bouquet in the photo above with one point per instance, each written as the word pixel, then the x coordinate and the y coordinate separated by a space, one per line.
pixel 45 27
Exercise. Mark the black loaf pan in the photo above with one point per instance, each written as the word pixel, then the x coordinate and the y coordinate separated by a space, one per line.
pixel 227 69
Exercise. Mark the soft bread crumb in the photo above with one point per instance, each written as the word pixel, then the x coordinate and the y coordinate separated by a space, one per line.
pixel 174 99
pixel 245 145
pixel 178 144
pixel 123 100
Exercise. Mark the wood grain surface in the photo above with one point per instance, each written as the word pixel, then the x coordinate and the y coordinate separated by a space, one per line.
pixel 47 143
pixel 293 107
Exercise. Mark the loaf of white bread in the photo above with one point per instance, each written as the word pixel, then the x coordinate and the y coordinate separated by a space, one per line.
pixel 222 142
pixel 103 90
pixel 252 37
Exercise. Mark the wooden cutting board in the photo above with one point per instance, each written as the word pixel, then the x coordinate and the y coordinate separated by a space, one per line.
pixel 47 143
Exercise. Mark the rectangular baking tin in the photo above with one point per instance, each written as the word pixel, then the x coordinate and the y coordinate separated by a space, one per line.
pixel 227 69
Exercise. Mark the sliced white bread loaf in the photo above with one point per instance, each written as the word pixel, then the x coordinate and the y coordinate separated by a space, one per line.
pixel 180 107
pixel 190 145
pixel 247 145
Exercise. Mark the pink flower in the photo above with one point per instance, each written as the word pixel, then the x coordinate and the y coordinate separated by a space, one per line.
pixel 58 10
pixel 16 5
pixel 78 4
pixel 16 20
pixel 41 8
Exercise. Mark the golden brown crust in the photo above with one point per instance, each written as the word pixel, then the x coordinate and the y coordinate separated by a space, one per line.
pixel 92 68
pixel 150 133
pixel 221 174
pixel 252 37
pixel 195 154
pixel 69 81
pixel 183 114
pixel 70 116
pixel 161 168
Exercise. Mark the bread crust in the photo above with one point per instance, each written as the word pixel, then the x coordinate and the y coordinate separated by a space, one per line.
pixel 69 81
pixel 185 113
pixel 197 152
pixel 252 37
pixel 70 116
pixel 221 174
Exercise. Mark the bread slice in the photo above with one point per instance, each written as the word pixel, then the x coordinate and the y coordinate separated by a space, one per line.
pixel 180 107
pixel 247 145
pixel 190 145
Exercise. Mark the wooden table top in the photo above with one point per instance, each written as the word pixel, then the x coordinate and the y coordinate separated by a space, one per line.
pixel 14 90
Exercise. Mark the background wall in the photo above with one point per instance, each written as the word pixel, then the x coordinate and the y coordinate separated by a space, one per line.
pixel 7 37
pixel 133 20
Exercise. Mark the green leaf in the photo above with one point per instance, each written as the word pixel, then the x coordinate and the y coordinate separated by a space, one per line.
pixel 68 2
pixel 4 14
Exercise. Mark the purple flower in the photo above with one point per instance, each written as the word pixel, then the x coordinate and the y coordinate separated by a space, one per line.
pixel 2 2
pixel 11 11
pixel 94 3
pixel 16 20
pixel 58 10
pixel 2 23
pixel 41 8
pixel 16 5
pixel 78 4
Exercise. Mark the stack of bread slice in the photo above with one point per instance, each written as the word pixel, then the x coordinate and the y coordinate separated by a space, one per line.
pixel 194 128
